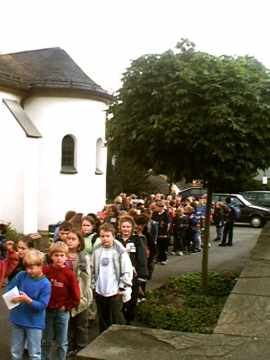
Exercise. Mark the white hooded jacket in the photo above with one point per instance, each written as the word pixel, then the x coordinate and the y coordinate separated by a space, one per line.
pixel 122 267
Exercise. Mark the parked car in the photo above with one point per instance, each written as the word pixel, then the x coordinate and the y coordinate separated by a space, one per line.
pixel 261 198
pixel 252 214
pixel 195 192
pixel 255 215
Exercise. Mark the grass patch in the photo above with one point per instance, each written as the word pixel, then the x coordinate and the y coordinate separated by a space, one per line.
pixel 183 305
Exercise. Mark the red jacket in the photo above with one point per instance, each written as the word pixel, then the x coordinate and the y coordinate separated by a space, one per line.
pixel 65 287
pixel 8 265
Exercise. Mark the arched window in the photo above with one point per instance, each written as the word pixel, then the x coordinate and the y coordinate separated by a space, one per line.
pixel 68 155
pixel 99 157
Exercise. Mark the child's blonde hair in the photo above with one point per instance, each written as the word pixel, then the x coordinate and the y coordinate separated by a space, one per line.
pixel 33 257
pixel 58 246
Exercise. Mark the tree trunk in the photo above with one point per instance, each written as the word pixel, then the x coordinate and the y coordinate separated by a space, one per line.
pixel 170 181
pixel 206 238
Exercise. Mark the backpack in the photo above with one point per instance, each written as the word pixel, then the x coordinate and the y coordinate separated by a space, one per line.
pixel 236 212
pixel 84 279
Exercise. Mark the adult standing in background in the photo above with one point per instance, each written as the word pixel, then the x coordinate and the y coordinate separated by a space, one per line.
pixel 218 218
pixel 229 223
pixel 162 218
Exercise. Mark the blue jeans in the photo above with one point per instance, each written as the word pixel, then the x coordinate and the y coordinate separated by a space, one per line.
pixel 219 230
pixel 228 232
pixel 56 330
pixel 18 337
pixel 197 239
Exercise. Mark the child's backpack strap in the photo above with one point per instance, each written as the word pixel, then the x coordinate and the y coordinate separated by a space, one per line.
pixel 82 261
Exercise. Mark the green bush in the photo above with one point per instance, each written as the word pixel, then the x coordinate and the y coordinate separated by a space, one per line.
pixel 11 233
pixel 183 305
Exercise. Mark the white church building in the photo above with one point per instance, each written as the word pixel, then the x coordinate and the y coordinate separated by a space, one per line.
pixel 52 139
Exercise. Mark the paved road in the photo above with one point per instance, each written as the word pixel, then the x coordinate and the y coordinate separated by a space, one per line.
pixel 220 258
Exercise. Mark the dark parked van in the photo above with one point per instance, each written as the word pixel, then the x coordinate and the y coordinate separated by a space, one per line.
pixel 253 214
pixel 195 192
pixel 250 212
pixel 261 198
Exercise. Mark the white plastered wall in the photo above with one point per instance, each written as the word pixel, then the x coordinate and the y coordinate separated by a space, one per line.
pixel 83 192
pixel 12 150
pixel 30 189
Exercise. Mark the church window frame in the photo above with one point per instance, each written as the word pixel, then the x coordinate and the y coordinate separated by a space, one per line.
pixel 68 155
pixel 99 156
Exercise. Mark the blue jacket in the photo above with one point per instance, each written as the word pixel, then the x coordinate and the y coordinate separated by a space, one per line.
pixel 39 290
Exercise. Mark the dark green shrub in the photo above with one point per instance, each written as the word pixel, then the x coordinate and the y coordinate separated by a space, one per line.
pixel 11 233
pixel 184 306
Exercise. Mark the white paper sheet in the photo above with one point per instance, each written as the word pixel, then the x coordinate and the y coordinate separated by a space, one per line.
pixel 9 295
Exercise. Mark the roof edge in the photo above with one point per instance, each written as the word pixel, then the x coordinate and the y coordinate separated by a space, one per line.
pixel 28 51
pixel 64 92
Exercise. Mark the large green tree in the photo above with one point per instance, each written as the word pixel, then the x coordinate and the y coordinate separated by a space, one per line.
pixel 192 114
pixel 125 175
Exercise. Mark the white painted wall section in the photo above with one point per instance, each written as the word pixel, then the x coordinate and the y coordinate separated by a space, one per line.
pixel 12 146
pixel 84 192
pixel 30 190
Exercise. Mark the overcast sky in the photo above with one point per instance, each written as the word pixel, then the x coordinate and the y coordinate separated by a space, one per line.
pixel 102 36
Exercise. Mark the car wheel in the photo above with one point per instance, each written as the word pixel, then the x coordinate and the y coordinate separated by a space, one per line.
pixel 256 221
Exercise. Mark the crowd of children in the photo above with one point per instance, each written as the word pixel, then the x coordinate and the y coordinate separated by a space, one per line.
pixel 98 262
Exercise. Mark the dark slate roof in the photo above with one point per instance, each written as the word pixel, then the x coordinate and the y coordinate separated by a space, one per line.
pixel 23 119
pixel 49 68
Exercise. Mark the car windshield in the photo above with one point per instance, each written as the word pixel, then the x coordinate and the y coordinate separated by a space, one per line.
pixel 257 196
pixel 243 200
pixel 236 199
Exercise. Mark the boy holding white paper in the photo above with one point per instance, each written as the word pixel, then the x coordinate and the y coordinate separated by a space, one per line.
pixel 28 318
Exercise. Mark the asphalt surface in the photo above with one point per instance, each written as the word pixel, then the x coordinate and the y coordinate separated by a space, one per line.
pixel 220 259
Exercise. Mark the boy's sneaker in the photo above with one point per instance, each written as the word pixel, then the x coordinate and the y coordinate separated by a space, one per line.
pixel 71 354
pixel 172 252
pixel 164 262
pixel 180 253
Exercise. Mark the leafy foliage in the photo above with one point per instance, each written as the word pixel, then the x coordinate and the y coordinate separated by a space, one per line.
pixel 186 113
pixel 119 177
pixel 184 306
pixel 193 114
pixel 11 233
